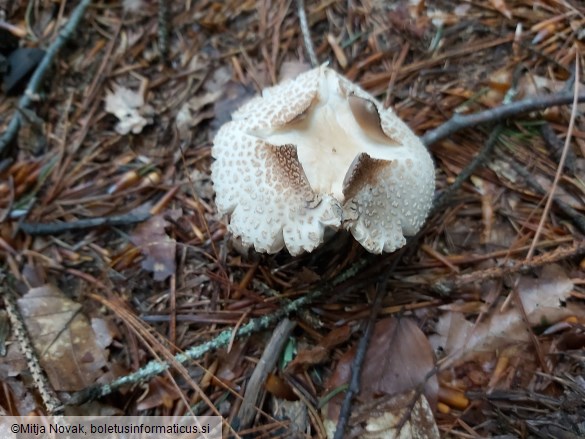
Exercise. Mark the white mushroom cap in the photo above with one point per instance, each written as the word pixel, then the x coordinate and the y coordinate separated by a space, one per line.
pixel 318 152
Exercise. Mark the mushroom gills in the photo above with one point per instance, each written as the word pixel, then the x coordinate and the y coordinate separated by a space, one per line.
pixel 363 170
pixel 366 115
pixel 335 129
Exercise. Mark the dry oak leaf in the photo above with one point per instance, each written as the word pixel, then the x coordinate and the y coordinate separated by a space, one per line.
pixel 130 109
pixel 157 247
pixel 543 299
pixel 404 416
pixel 192 112
pixel 160 393
pixel 63 339
pixel 398 360
pixel 321 352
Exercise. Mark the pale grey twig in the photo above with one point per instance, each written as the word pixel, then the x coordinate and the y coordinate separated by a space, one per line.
pixel 266 364
pixel 307 33
pixel 52 403
pixel 459 122
pixel 221 340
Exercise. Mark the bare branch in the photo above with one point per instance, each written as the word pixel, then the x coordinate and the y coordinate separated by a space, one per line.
pixel 221 340
pixel 307 33
pixel 83 224
pixel 459 122
pixel 50 399
pixel 37 78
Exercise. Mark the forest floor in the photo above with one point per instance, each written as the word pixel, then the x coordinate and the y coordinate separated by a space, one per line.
pixel 475 328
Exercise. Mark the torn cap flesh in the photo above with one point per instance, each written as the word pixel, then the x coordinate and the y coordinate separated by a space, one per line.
pixel 318 152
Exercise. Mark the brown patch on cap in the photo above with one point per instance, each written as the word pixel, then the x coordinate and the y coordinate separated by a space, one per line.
pixel 284 163
pixel 366 115
pixel 364 170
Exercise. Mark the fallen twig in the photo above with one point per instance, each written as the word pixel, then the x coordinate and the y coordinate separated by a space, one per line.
pixel 577 219
pixel 163 29
pixel 555 145
pixel 551 195
pixel 263 368
pixel 52 403
pixel 221 340
pixel 443 198
pixel 89 223
pixel 449 285
pixel 306 33
pixel 37 78
pixel 487 116
pixel 356 366
pixel 459 122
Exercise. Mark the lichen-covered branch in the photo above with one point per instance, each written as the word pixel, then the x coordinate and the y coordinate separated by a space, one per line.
pixel 223 339
pixel 52 403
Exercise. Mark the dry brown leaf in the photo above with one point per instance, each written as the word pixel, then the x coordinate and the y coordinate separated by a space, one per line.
pixel 543 299
pixel 160 393
pixel 191 112
pixel 320 353
pixel 294 411
pixel 231 364
pixel 130 109
pixel 279 388
pixel 157 247
pixel 63 338
pixel 398 359
pixel 404 416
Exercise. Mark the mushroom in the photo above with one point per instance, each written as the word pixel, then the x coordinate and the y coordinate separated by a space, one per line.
pixel 318 152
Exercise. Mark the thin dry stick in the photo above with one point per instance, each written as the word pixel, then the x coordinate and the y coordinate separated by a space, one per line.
pixel 442 199
pixel 37 78
pixel 154 368
pixel 555 145
pixel 52 403
pixel 263 368
pixel 484 117
pixel 506 111
pixel 577 219
pixel 307 33
pixel 356 366
pixel 515 293
pixel 84 224
pixel 163 29
pixel 561 164
pixel 449 285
